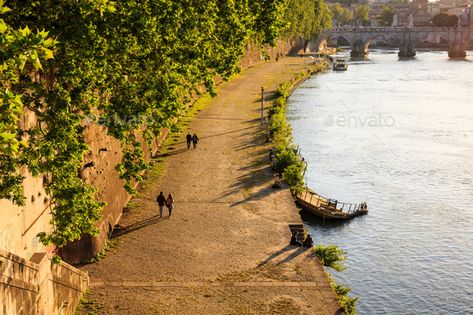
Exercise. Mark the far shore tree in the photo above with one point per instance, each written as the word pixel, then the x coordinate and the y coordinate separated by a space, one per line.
pixel 444 20
pixel 386 17
pixel 362 15
pixel 306 19
pixel 341 15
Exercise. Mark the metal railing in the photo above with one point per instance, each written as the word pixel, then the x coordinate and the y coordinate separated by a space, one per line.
pixel 321 201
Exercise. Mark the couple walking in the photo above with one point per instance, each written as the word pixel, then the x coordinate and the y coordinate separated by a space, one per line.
pixel 194 139
pixel 163 201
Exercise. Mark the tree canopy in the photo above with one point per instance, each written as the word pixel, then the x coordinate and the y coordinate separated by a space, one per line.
pixel 341 15
pixel 306 18
pixel 132 65
pixel 362 15
pixel 386 17
pixel 445 20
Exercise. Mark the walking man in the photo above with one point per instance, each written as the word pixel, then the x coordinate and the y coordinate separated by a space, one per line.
pixel 195 140
pixel 161 203
pixel 189 140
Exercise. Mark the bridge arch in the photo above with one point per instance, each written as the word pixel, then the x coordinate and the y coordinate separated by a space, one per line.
pixel 392 37
pixel 442 37
pixel 324 37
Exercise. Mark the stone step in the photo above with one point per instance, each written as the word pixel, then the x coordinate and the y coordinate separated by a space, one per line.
pixel 299 228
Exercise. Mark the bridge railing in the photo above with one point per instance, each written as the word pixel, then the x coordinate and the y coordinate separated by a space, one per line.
pixel 390 29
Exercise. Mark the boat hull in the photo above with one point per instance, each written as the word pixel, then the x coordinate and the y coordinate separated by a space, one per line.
pixel 327 214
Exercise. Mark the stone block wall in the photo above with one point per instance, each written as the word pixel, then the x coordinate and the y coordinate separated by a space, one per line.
pixel 37 286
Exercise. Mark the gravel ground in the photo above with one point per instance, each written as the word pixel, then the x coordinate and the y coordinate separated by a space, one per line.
pixel 224 250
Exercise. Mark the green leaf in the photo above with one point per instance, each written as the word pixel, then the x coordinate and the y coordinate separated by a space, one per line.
pixel 25 31
pixel 3 26
pixel 7 136
pixel 3 9
pixel 47 53
pixel 37 64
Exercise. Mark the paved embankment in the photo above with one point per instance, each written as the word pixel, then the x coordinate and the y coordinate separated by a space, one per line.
pixel 225 250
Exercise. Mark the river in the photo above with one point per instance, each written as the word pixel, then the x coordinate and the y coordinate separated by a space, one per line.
pixel 397 134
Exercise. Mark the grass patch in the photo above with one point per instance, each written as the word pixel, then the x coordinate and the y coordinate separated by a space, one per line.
pixel 334 257
pixel 110 245
pixel 347 303
pixel 88 305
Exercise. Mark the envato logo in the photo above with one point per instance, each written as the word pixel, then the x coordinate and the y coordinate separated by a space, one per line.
pixel 357 121
pixel 115 120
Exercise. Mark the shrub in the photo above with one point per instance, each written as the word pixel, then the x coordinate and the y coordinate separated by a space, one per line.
pixel 284 89
pixel 280 102
pixel 278 123
pixel 331 256
pixel 284 159
pixel 347 303
pixel 273 110
pixel 294 176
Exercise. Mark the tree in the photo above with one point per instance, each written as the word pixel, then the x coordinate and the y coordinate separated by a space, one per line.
pixel 322 11
pixel 362 15
pixel 341 15
pixel 22 51
pixel 445 20
pixel 386 17
pixel 306 19
pixel 131 64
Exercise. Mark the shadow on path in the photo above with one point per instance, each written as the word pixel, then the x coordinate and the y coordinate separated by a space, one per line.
pixel 136 226
pixel 174 152
pixel 276 254
pixel 256 196
pixel 293 255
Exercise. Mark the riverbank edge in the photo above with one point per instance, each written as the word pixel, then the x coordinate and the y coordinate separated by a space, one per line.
pixel 285 90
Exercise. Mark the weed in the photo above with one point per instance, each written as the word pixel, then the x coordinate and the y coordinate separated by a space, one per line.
pixel 347 303
pixel 331 256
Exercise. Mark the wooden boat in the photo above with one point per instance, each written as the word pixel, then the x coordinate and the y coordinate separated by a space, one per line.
pixel 339 65
pixel 328 209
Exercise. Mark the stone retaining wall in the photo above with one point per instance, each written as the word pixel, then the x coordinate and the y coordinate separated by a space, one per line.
pixel 39 287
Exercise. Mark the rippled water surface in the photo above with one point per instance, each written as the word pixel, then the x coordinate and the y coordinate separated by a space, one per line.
pixel 399 135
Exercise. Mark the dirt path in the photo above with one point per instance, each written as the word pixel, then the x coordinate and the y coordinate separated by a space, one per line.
pixel 225 250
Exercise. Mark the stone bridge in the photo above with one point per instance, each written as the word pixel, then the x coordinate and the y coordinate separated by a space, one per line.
pixel 406 38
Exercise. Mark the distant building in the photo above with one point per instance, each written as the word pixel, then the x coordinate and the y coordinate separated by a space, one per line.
pixel 402 11
pixel 419 6
pixel 456 10
pixel 455 7
pixel 375 10
pixel 420 12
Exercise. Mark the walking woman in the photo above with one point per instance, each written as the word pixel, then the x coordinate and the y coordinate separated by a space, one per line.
pixel 195 140
pixel 170 204
pixel 189 140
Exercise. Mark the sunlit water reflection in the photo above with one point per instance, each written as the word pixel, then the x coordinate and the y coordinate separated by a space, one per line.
pixel 399 135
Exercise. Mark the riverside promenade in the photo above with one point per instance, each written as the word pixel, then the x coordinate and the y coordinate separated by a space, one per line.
pixel 225 249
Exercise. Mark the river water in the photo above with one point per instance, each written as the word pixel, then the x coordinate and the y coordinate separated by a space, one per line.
pixel 398 135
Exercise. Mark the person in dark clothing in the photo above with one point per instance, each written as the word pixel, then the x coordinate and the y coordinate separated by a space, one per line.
pixel 308 242
pixel 170 204
pixel 189 140
pixel 161 203
pixel 195 140
pixel 294 240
